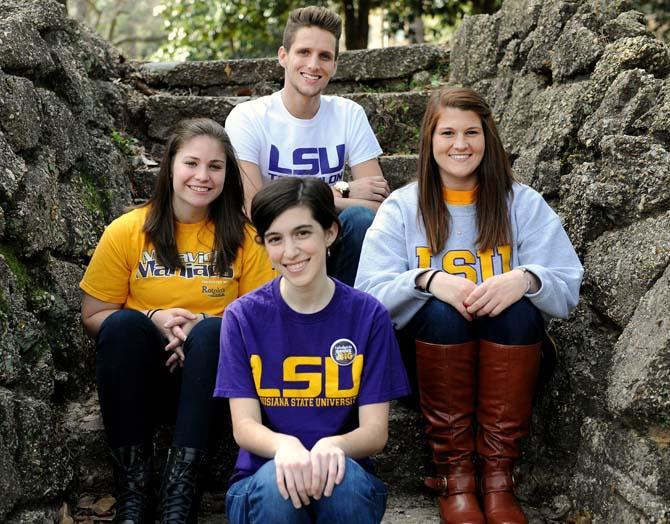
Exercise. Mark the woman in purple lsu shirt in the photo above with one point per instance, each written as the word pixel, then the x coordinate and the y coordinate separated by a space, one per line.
pixel 309 365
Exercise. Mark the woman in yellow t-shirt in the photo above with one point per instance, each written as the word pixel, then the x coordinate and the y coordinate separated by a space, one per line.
pixel 154 292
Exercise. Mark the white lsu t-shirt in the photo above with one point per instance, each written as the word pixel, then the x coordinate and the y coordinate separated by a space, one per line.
pixel 265 133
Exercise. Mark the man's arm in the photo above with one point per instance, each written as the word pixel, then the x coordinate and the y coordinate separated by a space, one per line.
pixel 252 180
pixel 368 187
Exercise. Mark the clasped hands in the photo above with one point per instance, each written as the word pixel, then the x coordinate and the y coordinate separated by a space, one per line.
pixel 303 474
pixel 490 298
pixel 374 188
pixel 175 324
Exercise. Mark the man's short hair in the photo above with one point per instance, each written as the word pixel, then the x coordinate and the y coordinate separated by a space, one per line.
pixel 312 16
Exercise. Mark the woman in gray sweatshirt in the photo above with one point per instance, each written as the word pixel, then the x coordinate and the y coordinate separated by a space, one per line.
pixel 470 264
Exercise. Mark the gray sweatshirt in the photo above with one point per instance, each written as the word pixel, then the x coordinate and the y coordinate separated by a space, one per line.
pixel 396 251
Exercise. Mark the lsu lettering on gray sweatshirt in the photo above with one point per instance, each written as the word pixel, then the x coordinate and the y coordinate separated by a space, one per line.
pixel 396 251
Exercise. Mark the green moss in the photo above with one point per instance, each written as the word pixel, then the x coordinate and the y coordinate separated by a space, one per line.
pixel 16 266
pixel 417 85
pixel 574 153
pixel 94 199
pixel 4 307
pixel 364 88
pixel 40 300
pixel 126 144
pixel 31 344
pixel 8 364
pixel 409 142
pixel 381 87
pixel 440 74
pixel 664 425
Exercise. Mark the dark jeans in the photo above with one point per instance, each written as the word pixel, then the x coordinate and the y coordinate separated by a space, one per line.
pixel 137 391
pixel 439 323
pixel 346 252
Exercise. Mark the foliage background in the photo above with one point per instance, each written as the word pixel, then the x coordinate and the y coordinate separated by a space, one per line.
pixel 166 30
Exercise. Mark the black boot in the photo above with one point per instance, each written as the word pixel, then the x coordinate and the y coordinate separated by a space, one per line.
pixel 179 494
pixel 132 476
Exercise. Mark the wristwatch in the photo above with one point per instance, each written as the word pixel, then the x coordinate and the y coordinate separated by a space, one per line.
pixel 342 188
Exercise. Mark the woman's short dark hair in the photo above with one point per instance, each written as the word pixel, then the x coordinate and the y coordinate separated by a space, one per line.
pixel 288 192
pixel 225 212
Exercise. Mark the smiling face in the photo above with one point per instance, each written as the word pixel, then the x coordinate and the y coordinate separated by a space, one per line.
pixel 310 62
pixel 297 245
pixel 458 147
pixel 198 174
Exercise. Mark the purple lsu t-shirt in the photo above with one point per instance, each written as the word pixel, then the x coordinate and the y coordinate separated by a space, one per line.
pixel 310 372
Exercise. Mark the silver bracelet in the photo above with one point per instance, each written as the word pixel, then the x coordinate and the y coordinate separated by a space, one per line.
pixel 526 275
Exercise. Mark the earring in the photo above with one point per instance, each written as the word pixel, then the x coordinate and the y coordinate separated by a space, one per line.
pixel 327 251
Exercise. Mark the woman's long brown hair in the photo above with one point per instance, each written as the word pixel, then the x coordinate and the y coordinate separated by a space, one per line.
pixel 226 212
pixel 494 175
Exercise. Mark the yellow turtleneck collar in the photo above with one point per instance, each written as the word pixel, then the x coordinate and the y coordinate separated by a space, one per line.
pixel 459 198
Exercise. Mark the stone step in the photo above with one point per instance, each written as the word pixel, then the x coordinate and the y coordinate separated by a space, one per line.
pixel 400 509
pixel 398 170
pixel 394 117
pixel 392 68
pixel 402 466
pixel 413 509
pixel 85 436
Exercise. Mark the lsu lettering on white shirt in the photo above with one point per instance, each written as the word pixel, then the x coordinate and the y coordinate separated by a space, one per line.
pixel 263 132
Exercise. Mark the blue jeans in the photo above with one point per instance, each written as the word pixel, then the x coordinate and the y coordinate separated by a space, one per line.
pixel 136 390
pixel 359 499
pixel 346 252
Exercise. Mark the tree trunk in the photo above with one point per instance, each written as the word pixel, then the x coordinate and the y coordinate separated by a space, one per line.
pixel 418 33
pixel 356 25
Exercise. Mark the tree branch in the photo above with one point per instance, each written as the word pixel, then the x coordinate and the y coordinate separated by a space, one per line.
pixel 144 39
pixel 115 19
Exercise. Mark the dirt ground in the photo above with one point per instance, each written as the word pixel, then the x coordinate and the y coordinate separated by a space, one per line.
pixel 401 509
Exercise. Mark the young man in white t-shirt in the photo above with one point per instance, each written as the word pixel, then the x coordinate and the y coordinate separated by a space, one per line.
pixel 299 132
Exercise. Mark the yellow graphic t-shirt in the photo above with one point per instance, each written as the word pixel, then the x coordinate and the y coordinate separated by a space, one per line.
pixel 124 268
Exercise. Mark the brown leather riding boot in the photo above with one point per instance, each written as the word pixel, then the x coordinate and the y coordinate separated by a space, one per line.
pixel 447 386
pixel 507 376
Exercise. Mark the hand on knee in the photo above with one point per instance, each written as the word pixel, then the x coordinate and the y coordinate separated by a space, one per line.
pixel 328 467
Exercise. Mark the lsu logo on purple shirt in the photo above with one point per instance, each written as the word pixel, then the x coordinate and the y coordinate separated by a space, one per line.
pixel 308 161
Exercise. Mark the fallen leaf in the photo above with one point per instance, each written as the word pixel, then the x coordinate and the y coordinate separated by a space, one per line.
pixel 103 505
pixel 86 502
pixel 64 515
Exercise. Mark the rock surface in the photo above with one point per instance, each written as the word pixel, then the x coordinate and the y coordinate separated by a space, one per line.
pixel 582 94
pixel 57 192
pixel 578 88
